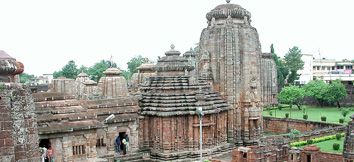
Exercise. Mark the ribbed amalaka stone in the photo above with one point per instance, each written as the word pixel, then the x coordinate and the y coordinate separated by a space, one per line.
pixel 348 148
pixel 145 71
pixel 113 84
pixel 169 125
pixel 79 84
pixel 9 68
pixel 229 57
pixel 268 72
pixel 63 85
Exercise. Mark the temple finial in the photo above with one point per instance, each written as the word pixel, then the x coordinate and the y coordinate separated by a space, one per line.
pixel 228 1
pixel 172 46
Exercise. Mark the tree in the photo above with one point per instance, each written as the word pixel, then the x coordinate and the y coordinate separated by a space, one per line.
pixel 135 62
pixel 282 70
pixel 96 71
pixel 26 78
pixel 317 89
pixel 69 71
pixel 335 92
pixel 292 95
pixel 294 63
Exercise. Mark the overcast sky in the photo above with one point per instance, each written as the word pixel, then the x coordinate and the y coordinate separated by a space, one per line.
pixel 46 34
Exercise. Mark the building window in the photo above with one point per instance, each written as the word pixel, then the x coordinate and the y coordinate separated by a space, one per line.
pixel 79 150
pixel 100 142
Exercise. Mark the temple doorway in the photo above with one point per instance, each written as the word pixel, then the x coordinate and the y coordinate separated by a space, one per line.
pixel 122 146
pixel 46 154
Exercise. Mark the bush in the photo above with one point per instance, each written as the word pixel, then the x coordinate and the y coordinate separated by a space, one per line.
pixel 336 146
pixel 309 142
pixel 305 116
pixel 270 113
pixel 287 115
pixel 280 107
pixel 345 112
pixel 338 136
pixel 341 120
pixel 323 118
pixel 316 140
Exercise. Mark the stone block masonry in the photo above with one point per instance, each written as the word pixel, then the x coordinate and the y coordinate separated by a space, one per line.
pixel 18 125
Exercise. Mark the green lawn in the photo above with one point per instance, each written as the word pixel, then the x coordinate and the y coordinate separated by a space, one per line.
pixel 314 113
pixel 327 146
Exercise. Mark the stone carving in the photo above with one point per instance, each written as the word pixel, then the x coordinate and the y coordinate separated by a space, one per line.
pixel 168 105
pixel 234 60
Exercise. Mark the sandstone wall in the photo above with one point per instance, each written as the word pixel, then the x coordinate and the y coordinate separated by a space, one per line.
pixel 18 125
pixel 282 125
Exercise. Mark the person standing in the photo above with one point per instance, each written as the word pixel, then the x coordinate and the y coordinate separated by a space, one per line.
pixel 124 146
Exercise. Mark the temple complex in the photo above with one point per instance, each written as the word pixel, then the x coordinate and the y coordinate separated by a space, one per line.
pixel 154 117
pixel 229 56
pixel 169 123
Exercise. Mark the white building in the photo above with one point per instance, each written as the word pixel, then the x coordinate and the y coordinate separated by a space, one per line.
pixel 306 74
pixel 325 69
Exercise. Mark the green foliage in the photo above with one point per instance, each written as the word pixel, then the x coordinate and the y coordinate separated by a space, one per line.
pixel 305 116
pixel 341 120
pixel 287 115
pixel 69 71
pixel 315 140
pixel 294 63
pixel 309 142
pixel 316 89
pixel 26 78
pixel 282 70
pixel 270 113
pixel 133 64
pixel 96 71
pixel 345 112
pixel 127 75
pixel 336 146
pixel 323 118
pixel 336 92
pixel 326 93
pixel 292 95
pixel 294 134
pixel 338 136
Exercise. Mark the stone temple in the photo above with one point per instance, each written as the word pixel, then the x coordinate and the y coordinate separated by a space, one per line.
pixel 229 57
pixel 227 75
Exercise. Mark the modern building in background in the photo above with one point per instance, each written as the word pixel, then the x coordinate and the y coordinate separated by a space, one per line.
pixel 326 69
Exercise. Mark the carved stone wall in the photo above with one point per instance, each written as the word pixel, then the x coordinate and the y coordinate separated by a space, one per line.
pixel 229 56
pixel 18 125
pixel 268 72
pixel 63 85
pixel 348 149
pixel 113 84
pixel 169 125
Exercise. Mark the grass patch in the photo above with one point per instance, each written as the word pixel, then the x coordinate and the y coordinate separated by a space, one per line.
pixel 327 146
pixel 332 114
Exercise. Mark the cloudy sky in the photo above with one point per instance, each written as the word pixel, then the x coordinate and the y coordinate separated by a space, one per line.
pixel 46 34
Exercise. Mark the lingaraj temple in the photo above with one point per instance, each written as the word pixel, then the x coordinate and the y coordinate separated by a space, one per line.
pixel 227 76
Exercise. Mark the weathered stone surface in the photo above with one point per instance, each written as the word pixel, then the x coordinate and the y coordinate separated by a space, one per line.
pixel 348 149
pixel 169 125
pixel 63 85
pixel 113 84
pixel 268 72
pixel 145 71
pixel 229 57
pixel 18 135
